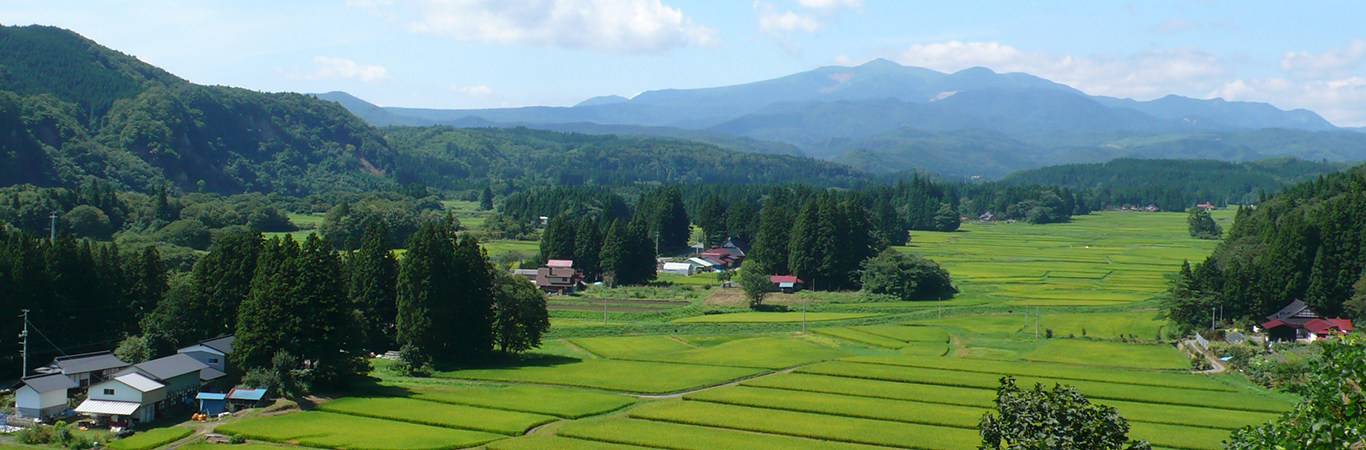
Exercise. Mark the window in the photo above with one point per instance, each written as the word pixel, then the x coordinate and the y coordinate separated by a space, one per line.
pixel 213 360
pixel 108 392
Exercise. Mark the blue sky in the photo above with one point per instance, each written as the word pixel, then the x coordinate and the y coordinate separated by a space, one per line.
pixel 494 53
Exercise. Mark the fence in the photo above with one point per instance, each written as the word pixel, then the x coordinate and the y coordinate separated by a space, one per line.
pixel 1204 344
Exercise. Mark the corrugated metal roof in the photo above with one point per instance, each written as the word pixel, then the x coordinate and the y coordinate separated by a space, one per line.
pixel 560 263
pixel 171 366
pixel 49 383
pixel 88 363
pixel 139 382
pixel 108 407
pixel 210 396
pixel 247 394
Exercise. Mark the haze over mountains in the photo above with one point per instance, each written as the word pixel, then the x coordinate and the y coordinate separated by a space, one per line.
pixel 884 117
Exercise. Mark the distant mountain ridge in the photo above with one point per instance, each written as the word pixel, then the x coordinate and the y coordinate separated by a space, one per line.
pixel 869 115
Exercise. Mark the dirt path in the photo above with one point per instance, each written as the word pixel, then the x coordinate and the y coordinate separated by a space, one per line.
pixel 1219 366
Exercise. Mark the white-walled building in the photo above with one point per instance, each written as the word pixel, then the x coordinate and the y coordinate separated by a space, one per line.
pixel 42 396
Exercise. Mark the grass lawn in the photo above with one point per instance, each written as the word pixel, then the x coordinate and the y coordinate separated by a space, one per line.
pixel 623 376
pixel 1074 351
pixel 341 431
pixel 774 317
pixel 438 414
pixel 150 439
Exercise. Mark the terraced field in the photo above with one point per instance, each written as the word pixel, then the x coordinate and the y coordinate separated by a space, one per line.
pixel 914 375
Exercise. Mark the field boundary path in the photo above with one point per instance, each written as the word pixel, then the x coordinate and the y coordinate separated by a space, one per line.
pixel 717 386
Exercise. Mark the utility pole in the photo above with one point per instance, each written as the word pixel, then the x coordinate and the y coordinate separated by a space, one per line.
pixel 1211 317
pixel 604 311
pixel 1036 321
pixel 54 226
pixel 24 336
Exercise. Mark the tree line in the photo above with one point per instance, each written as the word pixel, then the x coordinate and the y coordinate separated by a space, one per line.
pixel 1305 243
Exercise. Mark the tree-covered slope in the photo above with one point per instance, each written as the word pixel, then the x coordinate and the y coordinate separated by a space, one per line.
pixel 48 60
pixel 954 154
pixel 463 158
pixel 1305 243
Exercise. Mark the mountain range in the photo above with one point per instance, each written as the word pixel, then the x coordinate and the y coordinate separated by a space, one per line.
pixel 884 117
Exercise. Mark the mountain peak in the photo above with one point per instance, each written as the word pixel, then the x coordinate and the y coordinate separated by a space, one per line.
pixel 975 71
pixel 880 63
pixel 602 100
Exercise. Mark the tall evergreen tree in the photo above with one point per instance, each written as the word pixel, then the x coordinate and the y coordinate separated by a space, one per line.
pixel 426 285
pixel 329 336
pixel 771 244
pixel 588 247
pixel 486 199
pixel 147 282
pixel 804 259
pixel 640 256
pixel 374 287
pixel 222 281
pixel 742 220
pixel 557 241
pixel 265 324
pixel 712 218
pixel 613 258
pixel 471 326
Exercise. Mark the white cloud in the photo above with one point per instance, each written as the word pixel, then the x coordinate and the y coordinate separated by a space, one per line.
pixel 476 91
pixel 810 17
pixel 1333 63
pixel 345 69
pixel 614 26
pixel 1337 99
pixel 1145 74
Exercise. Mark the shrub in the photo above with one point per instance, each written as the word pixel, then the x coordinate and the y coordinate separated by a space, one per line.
pixel 907 277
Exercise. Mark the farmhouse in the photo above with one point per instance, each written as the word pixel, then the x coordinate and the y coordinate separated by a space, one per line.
pixel 701 265
pixel 85 369
pixel 181 374
pixel 212 403
pixel 42 396
pixel 239 399
pixel 125 400
pixel 1297 321
pixel 788 284
pixel 213 352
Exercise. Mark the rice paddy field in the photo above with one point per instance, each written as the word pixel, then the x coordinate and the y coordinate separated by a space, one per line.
pixel 861 376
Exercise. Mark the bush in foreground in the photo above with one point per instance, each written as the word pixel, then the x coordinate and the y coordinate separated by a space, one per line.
pixel 1060 419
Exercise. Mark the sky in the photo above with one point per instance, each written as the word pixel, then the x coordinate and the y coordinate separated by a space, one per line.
pixel 505 53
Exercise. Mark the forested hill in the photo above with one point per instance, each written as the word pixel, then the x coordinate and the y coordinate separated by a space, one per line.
pixel 1176 184
pixel 466 158
pixel 76 111
pixel 1305 243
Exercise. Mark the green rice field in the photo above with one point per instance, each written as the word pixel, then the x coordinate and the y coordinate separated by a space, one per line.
pixel 678 372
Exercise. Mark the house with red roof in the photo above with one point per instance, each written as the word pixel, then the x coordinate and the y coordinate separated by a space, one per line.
pixel 1298 322
pixel 788 284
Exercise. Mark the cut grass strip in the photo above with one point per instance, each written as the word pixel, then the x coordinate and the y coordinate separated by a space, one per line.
pixel 151 439
pixel 815 426
pixel 774 317
pixel 1094 390
pixel 674 436
pixel 613 375
pixel 907 333
pixel 341 431
pixel 1024 369
pixel 627 347
pixel 559 402
pixel 438 414
pixel 948 395
pixel 845 406
pixel 925 349
pixel 554 443
pixel 853 335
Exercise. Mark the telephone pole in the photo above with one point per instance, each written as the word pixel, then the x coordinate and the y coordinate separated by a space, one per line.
pixel 53 236
pixel 24 336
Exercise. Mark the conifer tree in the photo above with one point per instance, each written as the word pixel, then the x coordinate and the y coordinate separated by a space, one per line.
pixel 772 241
pixel 588 247
pixel 222 280
pixel 640 256
pixel 374 287
pixel 328 334
pixel 742 221
pixel 613 257
pixel 712 219
pixel 557 241
pixel 264 321
pixel 486 199
pixel 147 282
pixel 471 325
pixel 804 261
pixel 426 285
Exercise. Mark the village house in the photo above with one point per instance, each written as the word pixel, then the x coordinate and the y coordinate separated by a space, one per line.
pixel 42 396
pixel 1298 322
pixel 213 353
pixel 677 268
pixel 85 369
pixel 701 265
pixel 125 401
pixel 787 284
pixel 559 277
